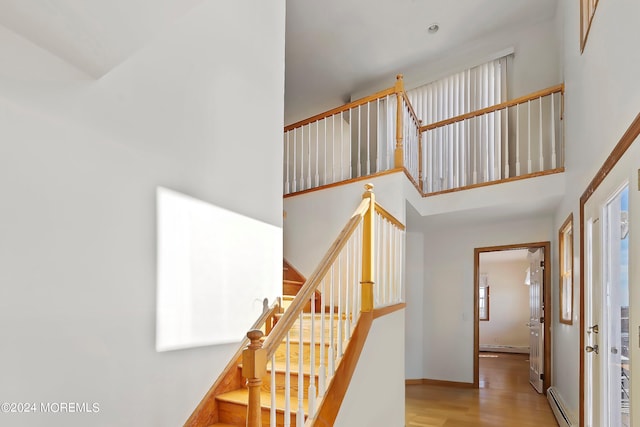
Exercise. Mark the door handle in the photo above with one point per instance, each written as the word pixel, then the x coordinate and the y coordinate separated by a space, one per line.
pixel 590 349
pixel 593 329
pixel 614 350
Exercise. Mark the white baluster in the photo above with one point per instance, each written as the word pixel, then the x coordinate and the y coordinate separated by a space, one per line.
pixel 350 144
pixel 309 183
pixel 272 409
pixel 388 128
pixel 348 286
pixel 359 167
pixel 302 158
pixel 356 271
pixel 287 384
pixel 295 132
pixel 333 148
pixel 379 256
pixel 487 151
pixel 332 361
pixel 476 136
pixel 518 140
pixel 529 136
pixel 553 134
pixel 378 139
pixel 541 160
pixel 312 361
pixel 368 139
pixel 287 187
pixel 326 180
pixel 322 371
pixel 341 147
pixel 317 153
pixel 506 144
pixel 300 413
pixel 340 286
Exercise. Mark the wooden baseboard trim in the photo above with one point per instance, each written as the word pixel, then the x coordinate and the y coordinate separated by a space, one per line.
pixel 440 383
pixel 345 182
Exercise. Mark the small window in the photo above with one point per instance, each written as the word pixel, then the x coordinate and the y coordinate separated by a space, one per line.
pixel 483 298
pixel 565 238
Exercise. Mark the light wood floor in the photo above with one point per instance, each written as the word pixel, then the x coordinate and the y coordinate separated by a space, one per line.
pixel 505 398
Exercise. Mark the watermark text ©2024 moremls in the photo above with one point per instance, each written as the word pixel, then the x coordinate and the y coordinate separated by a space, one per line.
pixel 50 407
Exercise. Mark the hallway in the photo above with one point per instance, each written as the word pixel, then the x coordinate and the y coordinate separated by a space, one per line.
pixel 505 398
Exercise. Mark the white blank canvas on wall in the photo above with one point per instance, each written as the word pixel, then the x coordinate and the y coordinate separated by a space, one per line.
pixel 215 267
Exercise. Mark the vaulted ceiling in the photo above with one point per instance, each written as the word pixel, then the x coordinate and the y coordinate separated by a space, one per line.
pixel 333 47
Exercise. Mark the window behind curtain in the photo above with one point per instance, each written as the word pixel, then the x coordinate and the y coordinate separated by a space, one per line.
pixel 468 152
pixel 469 90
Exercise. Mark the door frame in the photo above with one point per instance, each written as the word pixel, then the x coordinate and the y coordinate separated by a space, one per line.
pixel 546 299
pixel 618 151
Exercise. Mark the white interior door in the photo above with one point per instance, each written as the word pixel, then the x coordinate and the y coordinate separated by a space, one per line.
pixel 612 306
pixel 536 317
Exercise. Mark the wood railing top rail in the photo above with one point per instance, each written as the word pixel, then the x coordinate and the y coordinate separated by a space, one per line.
pixel 398 88
pixel 501 106
pixel 382 211
pixel 204 411
pixel 411 110
pixel 345 107
pixel 290 316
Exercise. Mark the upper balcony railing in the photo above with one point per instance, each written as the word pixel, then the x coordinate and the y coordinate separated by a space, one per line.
pixel 512 140
pixel 362 138
pixel 515 139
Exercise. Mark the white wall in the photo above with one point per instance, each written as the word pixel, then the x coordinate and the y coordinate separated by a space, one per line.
pixel 534 65
pixel 314 219
pixel 448 285
pixel 79 165
pixel 601 101
pixel 376 393
pixel 414 282
pixel 508 303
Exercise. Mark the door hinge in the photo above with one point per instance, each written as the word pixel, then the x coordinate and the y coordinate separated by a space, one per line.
pixel 542 320
pixel 542 377
pixel 541 264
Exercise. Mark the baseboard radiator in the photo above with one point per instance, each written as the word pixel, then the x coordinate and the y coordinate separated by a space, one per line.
pixel 503 348
pixel 562 414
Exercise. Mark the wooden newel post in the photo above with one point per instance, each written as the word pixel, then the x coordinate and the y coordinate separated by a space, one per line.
pixel 398 155
pixel 254 367
pixel 367 250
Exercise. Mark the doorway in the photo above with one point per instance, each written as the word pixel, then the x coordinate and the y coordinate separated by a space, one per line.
pixel 535 280
pixel 609 326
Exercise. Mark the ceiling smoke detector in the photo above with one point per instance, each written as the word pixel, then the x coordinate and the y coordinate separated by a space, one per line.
pixel 433 28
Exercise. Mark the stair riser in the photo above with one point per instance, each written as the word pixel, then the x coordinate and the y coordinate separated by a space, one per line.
pixel 294 352
pixel 236 414
pixel 293 385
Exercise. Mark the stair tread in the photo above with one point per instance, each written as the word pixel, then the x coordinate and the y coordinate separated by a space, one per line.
pixel 241 397
pixel 294 282
pixel 222 425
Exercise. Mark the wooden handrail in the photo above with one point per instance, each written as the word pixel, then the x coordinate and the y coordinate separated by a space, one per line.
pixel 382 211
pixel 345 107
pixel 204 412
pixel 411 109
pixel 290 316
pixel 501 106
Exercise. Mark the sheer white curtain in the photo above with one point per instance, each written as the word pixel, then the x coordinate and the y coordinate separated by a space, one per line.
pixel 465 152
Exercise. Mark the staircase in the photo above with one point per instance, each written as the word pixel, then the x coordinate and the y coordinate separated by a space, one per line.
pixel 232 405
pixel 298 358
